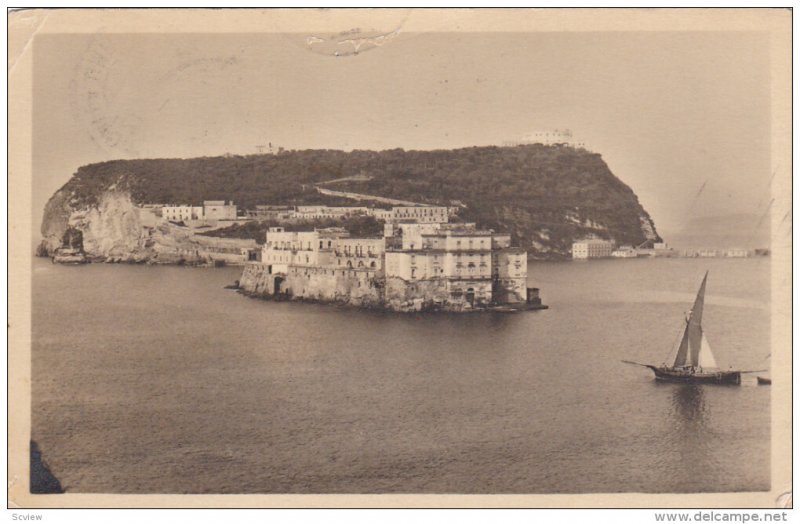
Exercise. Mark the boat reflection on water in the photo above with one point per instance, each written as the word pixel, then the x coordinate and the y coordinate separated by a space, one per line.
pixel 688 403
pixel 686 438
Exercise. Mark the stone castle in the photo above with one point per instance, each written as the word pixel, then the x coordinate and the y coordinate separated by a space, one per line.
pixel 421 263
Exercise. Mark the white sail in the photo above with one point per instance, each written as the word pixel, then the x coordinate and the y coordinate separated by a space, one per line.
pixel 706 358
pixel 688 351
pixel 695 328
pixel 682 350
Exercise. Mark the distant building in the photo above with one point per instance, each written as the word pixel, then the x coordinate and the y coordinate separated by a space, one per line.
pixel 218 210
pixel 182 213
pixel 381 214
pixel 562 137
pixel 592 248
pixel 267 211
pixel 421 214
pixel 624 252
pixel 661 249
pixel 416 214
pixel 737 252
pixel 323 212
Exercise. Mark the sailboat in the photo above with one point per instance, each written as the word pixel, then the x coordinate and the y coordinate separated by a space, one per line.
pixel 692 360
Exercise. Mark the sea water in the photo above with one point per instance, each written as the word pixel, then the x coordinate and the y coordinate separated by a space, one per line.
pixel 158 380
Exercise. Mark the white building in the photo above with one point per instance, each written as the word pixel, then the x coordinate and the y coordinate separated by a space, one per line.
pixel 548 138
pixel 592 248
pixel 421 214
pixel 182 213
pixel 624 252
pixel 737 252
pixel 210 210
pixel 469 265
pixel 299 248
pixel 359 253
pixel 381 214
pixel 321 212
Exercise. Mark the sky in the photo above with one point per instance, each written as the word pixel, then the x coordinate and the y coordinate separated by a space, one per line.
pixel 683 118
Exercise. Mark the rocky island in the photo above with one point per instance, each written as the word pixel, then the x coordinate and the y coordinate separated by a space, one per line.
pixel 544 196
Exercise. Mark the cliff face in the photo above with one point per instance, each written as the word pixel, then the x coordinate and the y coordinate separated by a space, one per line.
pixel 112 229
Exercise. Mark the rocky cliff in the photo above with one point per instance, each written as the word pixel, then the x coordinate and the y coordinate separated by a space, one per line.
pixel 112 229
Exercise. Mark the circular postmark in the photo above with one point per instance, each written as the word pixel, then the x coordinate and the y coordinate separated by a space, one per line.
pixel 92 99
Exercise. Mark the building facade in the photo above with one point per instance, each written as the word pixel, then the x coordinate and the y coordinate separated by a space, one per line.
pixel 420 214
pixel 283 249
pixel 210 210
pixel 219 210
pixel 321 212
pixel 182 213
pixel 624 252
pixel 592 248
pixel 553 137
pixel 415 266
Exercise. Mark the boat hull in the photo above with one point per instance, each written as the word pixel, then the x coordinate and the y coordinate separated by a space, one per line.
pixel 697 377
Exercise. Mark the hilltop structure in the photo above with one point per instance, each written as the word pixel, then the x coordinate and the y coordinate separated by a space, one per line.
pixel 422 262
pixel 555 137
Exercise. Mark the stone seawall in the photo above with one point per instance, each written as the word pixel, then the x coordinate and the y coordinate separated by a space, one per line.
pixel 510 291
pixel 353 287
pixel 367 288
pixel 437 295
pixel 255 279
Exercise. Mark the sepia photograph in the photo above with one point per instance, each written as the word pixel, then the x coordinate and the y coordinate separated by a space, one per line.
pixel 400 258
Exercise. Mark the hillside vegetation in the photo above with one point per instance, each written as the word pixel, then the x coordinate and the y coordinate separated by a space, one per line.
pixel 545 196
